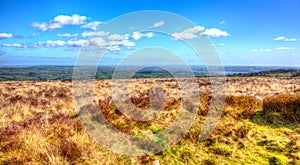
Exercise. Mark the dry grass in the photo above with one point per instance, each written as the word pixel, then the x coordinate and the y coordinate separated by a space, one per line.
pixel 282 108
pixel 39 124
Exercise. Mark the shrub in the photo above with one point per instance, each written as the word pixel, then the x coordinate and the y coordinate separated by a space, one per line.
pixel 282 108
pixel 244 106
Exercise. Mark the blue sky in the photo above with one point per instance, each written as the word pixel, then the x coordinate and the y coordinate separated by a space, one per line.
pixel 244 32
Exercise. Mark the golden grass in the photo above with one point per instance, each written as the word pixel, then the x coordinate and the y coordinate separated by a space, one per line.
pixel 39 124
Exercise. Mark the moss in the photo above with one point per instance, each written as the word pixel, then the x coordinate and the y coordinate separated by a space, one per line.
pixel 221 149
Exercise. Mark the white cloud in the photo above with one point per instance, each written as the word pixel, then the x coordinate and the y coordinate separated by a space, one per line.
pixel 188 33
pixel 56 43
pixel 282 38
pixel 9 35
pixel 125 43
pixel 94 34
pixel 68 35
pixel 221 44
pixel 279 38
pixel 157 24
pixel 194 29
pixel 15 45
pixel 83 35
pixel 214 32
pixel 112 45
pixel 98 42
pixel 92 25
pixel 79 43
pixel 60 43
pixel 75 19
pixel 284 48
pixel 46 26
pixel 261 50
pixel 222 22
pixel 115 37
pixel 114 48
pixel 116 42
pixel 60 21
pixel 6 35
pixel 184 35
pixel 50 43
pixel 138 35
pixel 290 39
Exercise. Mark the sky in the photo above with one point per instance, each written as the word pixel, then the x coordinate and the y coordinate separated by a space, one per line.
pixel 243 32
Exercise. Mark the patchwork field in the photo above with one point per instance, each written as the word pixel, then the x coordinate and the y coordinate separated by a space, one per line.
pixel 39 123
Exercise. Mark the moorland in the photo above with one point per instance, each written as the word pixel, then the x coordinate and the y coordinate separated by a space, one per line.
pixel 259 124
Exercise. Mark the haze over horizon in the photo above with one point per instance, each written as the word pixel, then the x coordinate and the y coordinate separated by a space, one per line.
pixel 245 33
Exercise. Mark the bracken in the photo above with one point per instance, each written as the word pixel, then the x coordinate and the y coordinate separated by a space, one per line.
pixel 282 108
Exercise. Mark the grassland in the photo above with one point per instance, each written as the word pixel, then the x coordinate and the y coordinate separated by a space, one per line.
pixel 39 124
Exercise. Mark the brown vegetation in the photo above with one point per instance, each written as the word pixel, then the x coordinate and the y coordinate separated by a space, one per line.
pixel 39 123
pixel 282 108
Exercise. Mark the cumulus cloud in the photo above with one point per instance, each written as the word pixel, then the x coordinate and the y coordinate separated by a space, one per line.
pixel 111 45
pixel 92 25
pixel 123 43
pixel 68 35
pixel 138 35
pixel 8 35
pixel 60 43
pixel 49 43
pixel 261 50
pixel 290 39
pixel 75 19
pixel 103 40
pixel 188 33
pixel 197 31
pixel 77 43
pixel 15 45
pixel 115 37
pixel 214 32
pixel 284 48
pixel 117 42
pixel 282 38
pixel 94 34
pixel 157 24
pixel 183 35
pixel 98 42
pixel 279 38
pixel 60 21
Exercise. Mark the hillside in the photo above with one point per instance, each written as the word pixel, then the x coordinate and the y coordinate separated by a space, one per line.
pixel 39 124
pixel 273 73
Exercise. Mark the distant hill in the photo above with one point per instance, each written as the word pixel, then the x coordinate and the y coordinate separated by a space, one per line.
pixel 272 73
pixel 42 73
